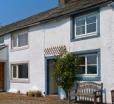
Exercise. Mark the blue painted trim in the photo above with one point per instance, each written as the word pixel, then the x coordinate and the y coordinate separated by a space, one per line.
pixel 98 25
pixel 72 33
pixel 72 28
pixel 47 74
pixel 46 80
pixel 99 64
pixel 87 51
pixel 50 57
pixel 88 78
pixel 91 78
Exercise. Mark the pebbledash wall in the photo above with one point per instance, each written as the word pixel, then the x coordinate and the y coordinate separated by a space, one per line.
pixel 58 33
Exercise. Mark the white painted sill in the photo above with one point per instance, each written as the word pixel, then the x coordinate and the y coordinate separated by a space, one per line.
pixel 20 81
pixel 87 75
pixel 19 48
pixel 86 35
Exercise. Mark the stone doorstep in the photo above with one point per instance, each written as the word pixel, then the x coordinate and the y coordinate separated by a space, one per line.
pixel 56 97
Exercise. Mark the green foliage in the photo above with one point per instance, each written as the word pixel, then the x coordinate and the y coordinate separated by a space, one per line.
pixel 65 71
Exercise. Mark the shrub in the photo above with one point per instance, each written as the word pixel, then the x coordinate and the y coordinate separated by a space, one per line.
pixel 34 93
pixel 18 92
pixel 66 67
pixel 30 93
pixel 37 94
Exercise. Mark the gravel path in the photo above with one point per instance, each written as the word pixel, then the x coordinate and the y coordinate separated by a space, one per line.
pixel 29 102
pixel 8 98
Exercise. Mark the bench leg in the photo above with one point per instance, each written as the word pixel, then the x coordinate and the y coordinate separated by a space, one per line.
pixel 95 100
pixel 101 98
pixel 75 99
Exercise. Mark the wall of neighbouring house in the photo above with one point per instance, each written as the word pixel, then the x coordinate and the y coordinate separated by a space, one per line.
pixel 57 33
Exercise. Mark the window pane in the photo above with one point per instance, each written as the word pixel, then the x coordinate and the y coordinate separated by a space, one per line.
pixel 80 22
pixel 1 39
pixel 91 28
pixel 92 59
pixel 14 41
pixel 81 70
pixel 91 19
pixel 23 71
pixel 92 69
pixel 22 39
pixel 14 71
pixel 82 60
pixel 80 30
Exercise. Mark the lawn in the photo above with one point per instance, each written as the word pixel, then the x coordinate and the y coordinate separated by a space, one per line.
pixel 9 98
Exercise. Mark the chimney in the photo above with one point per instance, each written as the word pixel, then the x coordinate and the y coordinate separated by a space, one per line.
pixel 62 2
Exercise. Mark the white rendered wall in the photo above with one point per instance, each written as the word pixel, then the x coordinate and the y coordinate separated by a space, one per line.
pixel 57 33
pixel 40 37
pixel 107 51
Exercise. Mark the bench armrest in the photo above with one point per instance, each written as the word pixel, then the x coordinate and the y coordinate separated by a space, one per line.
pixel 98 93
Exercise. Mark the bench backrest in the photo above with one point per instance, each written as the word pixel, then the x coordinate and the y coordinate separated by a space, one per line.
pixel 86 90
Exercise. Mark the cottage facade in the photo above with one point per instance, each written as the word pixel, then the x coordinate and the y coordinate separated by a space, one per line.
pixel 28 47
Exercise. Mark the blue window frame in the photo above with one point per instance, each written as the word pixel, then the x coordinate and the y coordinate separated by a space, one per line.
pixel 86 26
pixel 89 69
pixel 88 64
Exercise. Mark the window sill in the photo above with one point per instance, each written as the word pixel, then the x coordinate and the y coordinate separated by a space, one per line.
pixel 87 75
pixel 19 48
pixel 20 80
pixel 84 37
pixel 1 44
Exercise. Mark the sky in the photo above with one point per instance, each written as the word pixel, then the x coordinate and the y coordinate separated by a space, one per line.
pixel 15 10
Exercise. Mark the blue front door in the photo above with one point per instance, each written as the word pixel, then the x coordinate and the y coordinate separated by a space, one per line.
pixel 51 84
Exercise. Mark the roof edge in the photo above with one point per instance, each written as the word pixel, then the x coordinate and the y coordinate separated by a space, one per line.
pixel 49 19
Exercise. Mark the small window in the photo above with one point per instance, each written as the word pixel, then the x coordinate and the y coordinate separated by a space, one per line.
pixel 88 64
pixel 86 25
pixel 1 39
pixel 20 39
pixel 20 71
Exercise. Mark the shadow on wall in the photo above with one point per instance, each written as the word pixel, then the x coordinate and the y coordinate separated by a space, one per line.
pixel 51 24
pixel 7 77
pixel 7 73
